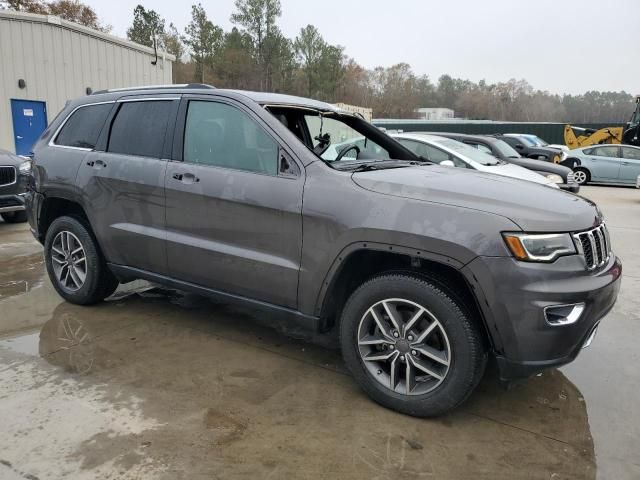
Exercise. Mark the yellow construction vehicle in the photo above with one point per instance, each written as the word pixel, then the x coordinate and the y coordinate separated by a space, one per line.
pixel 576 137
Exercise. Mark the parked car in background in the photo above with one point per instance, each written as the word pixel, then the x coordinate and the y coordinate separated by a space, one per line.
pixel 449 152
pixel 537 141
pixel 527 148
pixel 559 174
pixel 618 164
pixel 14 173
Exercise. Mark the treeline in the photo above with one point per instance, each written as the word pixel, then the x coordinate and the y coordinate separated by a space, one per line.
pixel 256 55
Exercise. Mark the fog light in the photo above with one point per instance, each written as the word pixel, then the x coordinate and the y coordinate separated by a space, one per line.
pixel 560 315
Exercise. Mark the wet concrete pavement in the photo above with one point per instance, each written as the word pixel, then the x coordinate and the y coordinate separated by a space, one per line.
pixel 159 384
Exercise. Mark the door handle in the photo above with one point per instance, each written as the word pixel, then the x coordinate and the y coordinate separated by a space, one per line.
pixel 187 178
pixel 96 164
pixel 18 137
pixel 625 163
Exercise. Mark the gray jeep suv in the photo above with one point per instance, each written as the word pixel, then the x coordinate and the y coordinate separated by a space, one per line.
pixel 294 207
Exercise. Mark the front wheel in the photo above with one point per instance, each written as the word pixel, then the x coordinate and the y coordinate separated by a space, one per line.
pixel 411 344
pixel 74 263
pixel 581 176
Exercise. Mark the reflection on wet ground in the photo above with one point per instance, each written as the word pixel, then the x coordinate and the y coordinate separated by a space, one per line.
pixel 156 383
pixel 167 385
pixel 20 274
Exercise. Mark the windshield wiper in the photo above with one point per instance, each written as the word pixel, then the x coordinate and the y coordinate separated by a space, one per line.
pixel 384 165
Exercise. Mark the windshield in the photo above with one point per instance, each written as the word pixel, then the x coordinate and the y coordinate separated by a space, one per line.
pixel 506 150
pixel 344 140
pixel 527 141
pixel 469 152
pixel 537 141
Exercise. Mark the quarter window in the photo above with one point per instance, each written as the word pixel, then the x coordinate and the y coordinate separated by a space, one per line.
pixel 220 135
pixel 140 128
pixel 83 128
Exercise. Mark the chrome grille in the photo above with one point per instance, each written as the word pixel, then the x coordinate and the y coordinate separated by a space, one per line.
pixel 7 176
pixel 570 178
pixel 595 246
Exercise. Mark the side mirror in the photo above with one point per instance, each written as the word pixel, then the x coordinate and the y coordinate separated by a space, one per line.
pixel 447 163
pixel 519 147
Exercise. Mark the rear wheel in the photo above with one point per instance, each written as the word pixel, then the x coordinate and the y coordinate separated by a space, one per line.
pixel 411 344
pixel 581 176
pixel 14 217
pixel 74 263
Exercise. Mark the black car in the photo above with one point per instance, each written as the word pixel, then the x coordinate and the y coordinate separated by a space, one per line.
pixel 502 150
pixel 14 172
pixel 527 149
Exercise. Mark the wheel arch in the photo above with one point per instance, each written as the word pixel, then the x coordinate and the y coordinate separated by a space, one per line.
pixel 358 263
pixel 54 207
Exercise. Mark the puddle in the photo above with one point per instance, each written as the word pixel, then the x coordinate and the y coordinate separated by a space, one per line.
pixel 26 344
pixel 20 274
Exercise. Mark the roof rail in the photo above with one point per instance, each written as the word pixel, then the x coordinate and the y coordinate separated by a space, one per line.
pixel 156 87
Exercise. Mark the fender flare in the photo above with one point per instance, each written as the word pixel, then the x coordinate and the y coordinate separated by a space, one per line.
pixel 334 271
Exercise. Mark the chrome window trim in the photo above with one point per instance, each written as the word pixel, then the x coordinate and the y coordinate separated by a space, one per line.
pixel 64 122
pixel 15 175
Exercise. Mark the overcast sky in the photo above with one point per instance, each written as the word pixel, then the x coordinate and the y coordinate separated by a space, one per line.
pixel 557 45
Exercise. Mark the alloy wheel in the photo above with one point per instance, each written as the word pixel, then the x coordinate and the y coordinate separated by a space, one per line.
pixel 404 346
pixel 69 261
pixel 580 177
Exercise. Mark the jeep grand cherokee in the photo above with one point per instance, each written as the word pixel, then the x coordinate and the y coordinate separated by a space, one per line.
pixel 425 271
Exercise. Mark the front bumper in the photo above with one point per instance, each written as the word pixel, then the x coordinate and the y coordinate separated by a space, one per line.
pixel 11 203
pixel 12 196
pixel 570 187
pixel 513 296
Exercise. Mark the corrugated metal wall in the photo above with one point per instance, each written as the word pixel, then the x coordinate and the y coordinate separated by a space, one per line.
pixel 551 132
pixel 58 61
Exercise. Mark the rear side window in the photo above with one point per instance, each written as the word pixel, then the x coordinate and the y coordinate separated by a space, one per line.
pixel 220 135
pixel 139 128
pixel 83 128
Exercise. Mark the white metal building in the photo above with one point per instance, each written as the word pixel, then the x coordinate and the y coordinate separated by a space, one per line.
pixel 45 61
pixel 435 114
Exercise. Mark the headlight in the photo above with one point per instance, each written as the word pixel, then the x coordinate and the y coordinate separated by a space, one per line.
pixel 25 167
pixel 539 247
pixel 555 178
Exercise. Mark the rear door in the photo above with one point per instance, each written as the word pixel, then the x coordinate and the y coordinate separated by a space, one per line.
pixel 605 163
pixel 630 166
pixel 234 203
pixel 122 182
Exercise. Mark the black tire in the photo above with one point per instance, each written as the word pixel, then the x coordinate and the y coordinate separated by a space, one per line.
pixel 99 282
pixel 468 353
pixel 580 180
pixel 15 217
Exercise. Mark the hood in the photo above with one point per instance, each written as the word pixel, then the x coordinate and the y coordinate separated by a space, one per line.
pixel 533 207
pixel 8 158
pixel 515 171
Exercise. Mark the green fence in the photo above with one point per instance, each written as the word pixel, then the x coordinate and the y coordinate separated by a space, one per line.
pixel 551 132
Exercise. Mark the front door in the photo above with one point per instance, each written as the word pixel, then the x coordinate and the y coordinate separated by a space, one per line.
pixel 234 220
pixel 123 183
pixel 630 166
pixel 29 121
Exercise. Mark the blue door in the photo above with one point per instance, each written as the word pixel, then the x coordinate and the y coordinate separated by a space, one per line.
pixel 29 121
